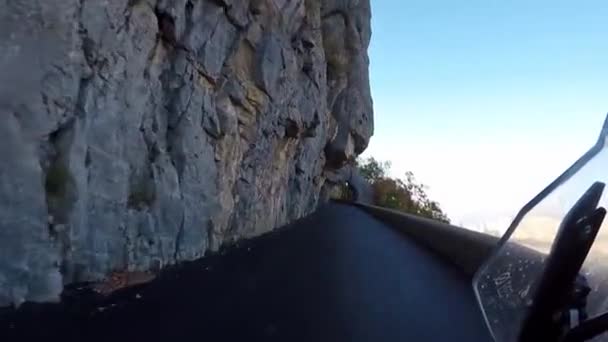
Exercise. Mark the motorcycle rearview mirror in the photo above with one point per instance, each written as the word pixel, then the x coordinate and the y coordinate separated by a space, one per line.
pixel 548 317
pixel 531 288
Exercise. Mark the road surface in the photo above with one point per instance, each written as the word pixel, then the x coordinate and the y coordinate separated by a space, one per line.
pixel 337 275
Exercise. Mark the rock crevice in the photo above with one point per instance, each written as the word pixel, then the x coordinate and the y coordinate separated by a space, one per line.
pixel 142 133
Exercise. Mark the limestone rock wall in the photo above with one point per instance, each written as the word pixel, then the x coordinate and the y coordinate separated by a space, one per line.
pixel 138 133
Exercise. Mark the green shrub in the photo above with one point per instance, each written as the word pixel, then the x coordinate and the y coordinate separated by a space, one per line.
pixel 141 196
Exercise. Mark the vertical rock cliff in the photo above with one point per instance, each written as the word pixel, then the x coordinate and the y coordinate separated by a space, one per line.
pixel 138 133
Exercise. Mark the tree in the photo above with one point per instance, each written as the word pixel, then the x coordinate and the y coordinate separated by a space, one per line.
pixel 371 169
pixel 407 195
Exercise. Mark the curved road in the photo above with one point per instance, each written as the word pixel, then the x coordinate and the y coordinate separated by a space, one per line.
pixel 337 275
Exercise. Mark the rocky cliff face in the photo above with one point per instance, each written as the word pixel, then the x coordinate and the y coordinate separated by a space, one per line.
pixel 138 133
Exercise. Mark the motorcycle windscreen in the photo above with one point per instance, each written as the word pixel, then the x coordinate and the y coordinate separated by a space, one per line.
pixel 505 284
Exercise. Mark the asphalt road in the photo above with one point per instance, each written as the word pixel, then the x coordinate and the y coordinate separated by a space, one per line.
pixel 338 275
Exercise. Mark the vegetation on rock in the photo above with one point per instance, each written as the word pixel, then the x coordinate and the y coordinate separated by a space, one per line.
pixel 407 195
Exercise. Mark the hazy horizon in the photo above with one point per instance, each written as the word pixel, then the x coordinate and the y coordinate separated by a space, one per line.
pixel 486 102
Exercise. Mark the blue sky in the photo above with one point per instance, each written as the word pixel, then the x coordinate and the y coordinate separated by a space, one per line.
pixel 487 101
